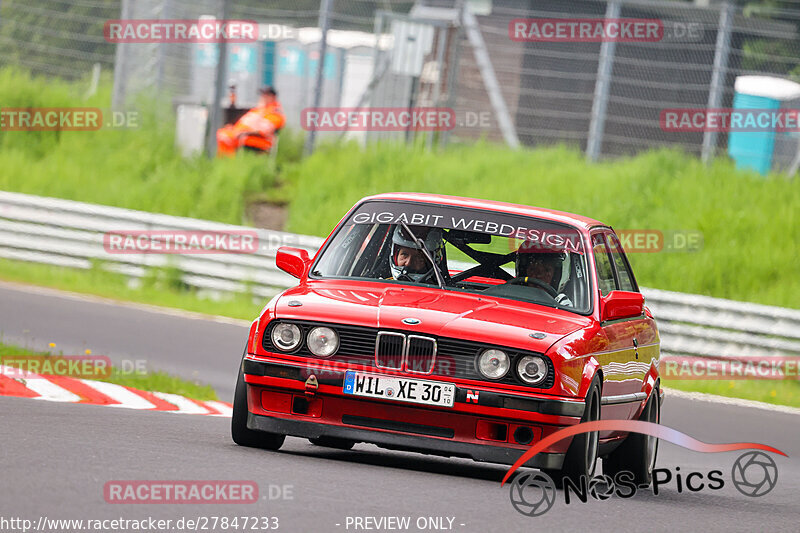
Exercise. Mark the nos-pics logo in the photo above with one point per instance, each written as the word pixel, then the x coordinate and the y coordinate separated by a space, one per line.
pixel 533 493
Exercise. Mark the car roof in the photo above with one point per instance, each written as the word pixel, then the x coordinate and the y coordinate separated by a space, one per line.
pixel 582 222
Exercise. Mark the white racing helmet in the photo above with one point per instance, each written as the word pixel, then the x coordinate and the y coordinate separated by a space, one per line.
pixel 431 237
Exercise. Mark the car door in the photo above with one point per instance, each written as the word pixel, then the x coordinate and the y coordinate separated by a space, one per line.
pixel 642 329
pixel 623 370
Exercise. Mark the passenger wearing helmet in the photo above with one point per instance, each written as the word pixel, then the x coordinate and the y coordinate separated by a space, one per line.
pixel 541 268
pixel 407 260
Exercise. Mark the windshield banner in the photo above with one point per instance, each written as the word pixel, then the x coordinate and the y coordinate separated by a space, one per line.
pixel 550 236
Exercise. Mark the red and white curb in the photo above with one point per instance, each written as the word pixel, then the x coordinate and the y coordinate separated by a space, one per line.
pixel 73 390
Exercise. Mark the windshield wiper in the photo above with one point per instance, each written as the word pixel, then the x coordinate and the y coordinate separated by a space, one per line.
pixel 439 276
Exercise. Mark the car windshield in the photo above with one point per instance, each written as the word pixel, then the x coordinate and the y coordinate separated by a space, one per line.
pixel 508 256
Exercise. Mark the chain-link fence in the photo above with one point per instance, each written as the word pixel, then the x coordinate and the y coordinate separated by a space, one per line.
pixel 491 61
pixel 608 98
pixel 56 38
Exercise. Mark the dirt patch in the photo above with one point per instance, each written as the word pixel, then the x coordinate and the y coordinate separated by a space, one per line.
pixel 268 215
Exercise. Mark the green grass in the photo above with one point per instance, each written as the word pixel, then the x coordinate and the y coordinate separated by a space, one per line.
pixel 779 392
pixel 158 288
pixel 750 224
pixel 154 381
pixel 137 168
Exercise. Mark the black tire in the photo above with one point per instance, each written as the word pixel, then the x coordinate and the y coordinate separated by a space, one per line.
pixel 333 442
pixel 581 457
pixel 242 435
pixel 637 454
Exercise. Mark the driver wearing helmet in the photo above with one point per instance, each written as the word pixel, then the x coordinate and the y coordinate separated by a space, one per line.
pixel 544 265
pixel 407 260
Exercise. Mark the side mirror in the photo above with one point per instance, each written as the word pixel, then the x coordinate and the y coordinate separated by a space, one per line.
pixel 621 304
pixel 293 261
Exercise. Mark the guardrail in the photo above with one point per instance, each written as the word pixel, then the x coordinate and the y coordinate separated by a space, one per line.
pixel 67 233
pixel 70 234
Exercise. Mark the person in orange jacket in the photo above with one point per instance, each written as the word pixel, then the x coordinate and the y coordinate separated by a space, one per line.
pixel 256 129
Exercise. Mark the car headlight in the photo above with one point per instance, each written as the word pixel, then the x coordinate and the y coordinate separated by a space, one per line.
pixel 532 369
pixel 322 341
pixel 286 337
pixel 493 364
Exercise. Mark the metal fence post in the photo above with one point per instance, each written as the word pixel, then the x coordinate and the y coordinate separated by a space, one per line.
pixel 161 51
pixel 602 86
pixel 484 63
pixel 376 55
pixel 437 90
pixel 324 24
pixel 456 34
pixel 723 48
pixel 215 113
pixel 120 63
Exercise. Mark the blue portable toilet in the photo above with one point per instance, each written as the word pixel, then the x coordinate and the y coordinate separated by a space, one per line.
pixel 754 150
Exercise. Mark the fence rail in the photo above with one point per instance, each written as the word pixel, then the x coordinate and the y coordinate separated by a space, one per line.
pixel 67 233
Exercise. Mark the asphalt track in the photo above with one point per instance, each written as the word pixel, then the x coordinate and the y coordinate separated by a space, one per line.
pixel 56 458
pixel 193 348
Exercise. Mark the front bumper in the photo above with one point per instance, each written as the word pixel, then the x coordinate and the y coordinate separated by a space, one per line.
pixel 279 402
pixel 397 441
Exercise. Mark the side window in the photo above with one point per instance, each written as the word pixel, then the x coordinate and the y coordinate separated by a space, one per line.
pixel 605 275
pixel 624 274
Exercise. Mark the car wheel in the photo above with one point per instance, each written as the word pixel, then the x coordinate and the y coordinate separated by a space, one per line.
pixel 333 442
pixel 637 454
pixel 242 435
pixel 581 458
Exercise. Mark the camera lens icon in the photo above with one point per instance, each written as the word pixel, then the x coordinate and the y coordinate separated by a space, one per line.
pixel 532 493
pixel 754 474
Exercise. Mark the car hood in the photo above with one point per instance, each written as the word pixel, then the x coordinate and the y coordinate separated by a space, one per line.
pixel 441 313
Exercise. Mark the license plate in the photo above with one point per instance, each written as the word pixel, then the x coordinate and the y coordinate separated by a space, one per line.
pixel 399 389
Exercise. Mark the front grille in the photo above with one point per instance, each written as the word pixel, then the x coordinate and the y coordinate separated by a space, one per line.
pixel 421 354
pixel 389 350
pixel 440 356
pixel 412 353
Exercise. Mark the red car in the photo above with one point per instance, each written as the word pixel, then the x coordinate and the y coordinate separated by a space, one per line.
pixel 456 327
